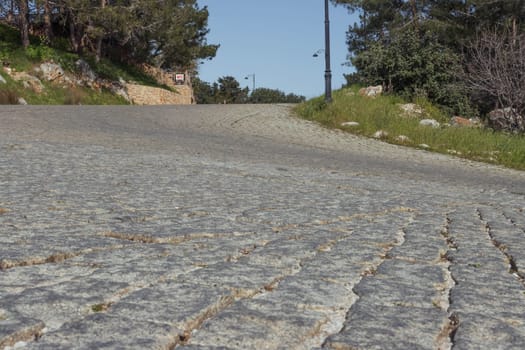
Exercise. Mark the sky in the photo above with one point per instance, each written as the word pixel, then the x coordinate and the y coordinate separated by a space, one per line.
pixel 275 40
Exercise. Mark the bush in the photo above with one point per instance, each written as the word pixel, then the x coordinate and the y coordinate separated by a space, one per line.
pixel 496 70
pixel 40 53
pixel 414 65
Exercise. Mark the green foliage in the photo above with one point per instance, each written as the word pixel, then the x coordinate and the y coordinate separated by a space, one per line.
pixel 166 33
pixel 418 47
pixel 415 65
pixel 227 90
pixel 384 113
pixel 265 95
pixel 204 92
pixel 40 53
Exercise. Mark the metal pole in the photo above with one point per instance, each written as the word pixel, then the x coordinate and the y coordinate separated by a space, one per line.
pixel 328 72
pixel 253 80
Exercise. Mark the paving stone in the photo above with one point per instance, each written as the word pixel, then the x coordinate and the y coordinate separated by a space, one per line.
pixel 242 227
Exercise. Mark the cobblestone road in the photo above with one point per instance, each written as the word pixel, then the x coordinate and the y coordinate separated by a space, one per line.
pixel 241 227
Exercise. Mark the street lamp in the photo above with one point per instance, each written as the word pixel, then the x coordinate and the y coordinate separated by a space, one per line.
pixel 328 72
pixel 317 53
pixel 253 80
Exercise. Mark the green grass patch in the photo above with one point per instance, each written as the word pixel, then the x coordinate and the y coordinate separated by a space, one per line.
pixel 384 113
pixel 53 94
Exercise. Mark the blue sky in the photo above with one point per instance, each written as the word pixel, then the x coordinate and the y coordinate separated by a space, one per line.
pixel 275 40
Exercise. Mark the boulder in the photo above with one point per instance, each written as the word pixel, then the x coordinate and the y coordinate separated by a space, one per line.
pixel 411 110
pixel 86 73
pixel 507 119
pixel 403 139
pixel 380 134
pixel 430 122
pixel 371 91
pixel 120 89
pixel 21 101
pixel 51 72
pixel 464 122
pixel 350 124
pixel 29 81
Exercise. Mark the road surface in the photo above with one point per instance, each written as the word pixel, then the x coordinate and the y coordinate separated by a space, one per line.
pixel 243 227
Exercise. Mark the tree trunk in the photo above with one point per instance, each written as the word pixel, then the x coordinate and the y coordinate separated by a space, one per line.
pixel 23 21
pixel 415 15
pixel 47 21
pixel 98 54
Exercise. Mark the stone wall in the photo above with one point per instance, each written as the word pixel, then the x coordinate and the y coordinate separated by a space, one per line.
pixel 147 95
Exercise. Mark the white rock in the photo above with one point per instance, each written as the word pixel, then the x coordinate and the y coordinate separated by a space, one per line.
pixel 86 71
pixel 403 138
pixel 21 101
pixel 430 122
pixel 2 80
pixel 51 71
pixel 380 134
pixel 350 124
pixel 371 91
pixel 411 109
pixel 424 145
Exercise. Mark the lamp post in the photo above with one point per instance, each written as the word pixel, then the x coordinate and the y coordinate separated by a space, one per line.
pixel 328 72
pixel 253 80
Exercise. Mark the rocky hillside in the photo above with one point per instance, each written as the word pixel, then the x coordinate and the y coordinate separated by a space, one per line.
pixel 50 76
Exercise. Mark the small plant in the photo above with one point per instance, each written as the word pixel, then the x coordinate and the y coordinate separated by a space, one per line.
pixel 100 307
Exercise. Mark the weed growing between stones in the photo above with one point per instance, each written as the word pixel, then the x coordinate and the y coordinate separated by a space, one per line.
pixel 100 307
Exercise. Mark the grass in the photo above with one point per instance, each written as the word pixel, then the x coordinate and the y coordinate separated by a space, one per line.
pixel 383 113
pixel 20 59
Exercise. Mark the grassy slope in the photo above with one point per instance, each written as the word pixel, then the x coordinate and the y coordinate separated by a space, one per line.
pixel 12 53
pixel 383 113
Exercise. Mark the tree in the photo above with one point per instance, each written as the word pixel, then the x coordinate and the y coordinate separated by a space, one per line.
pixel 416 47
pixel 497 69
pixel 265 95
pixel 169 34
pixel 205 93
pixel 416 65
pixel 23 20
pixel 229 91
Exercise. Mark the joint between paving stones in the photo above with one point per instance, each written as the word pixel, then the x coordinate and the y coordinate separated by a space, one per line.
pixel 28 334
pixel 369 272
pixel 513 267
pixel 56 258
pixel 445 338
